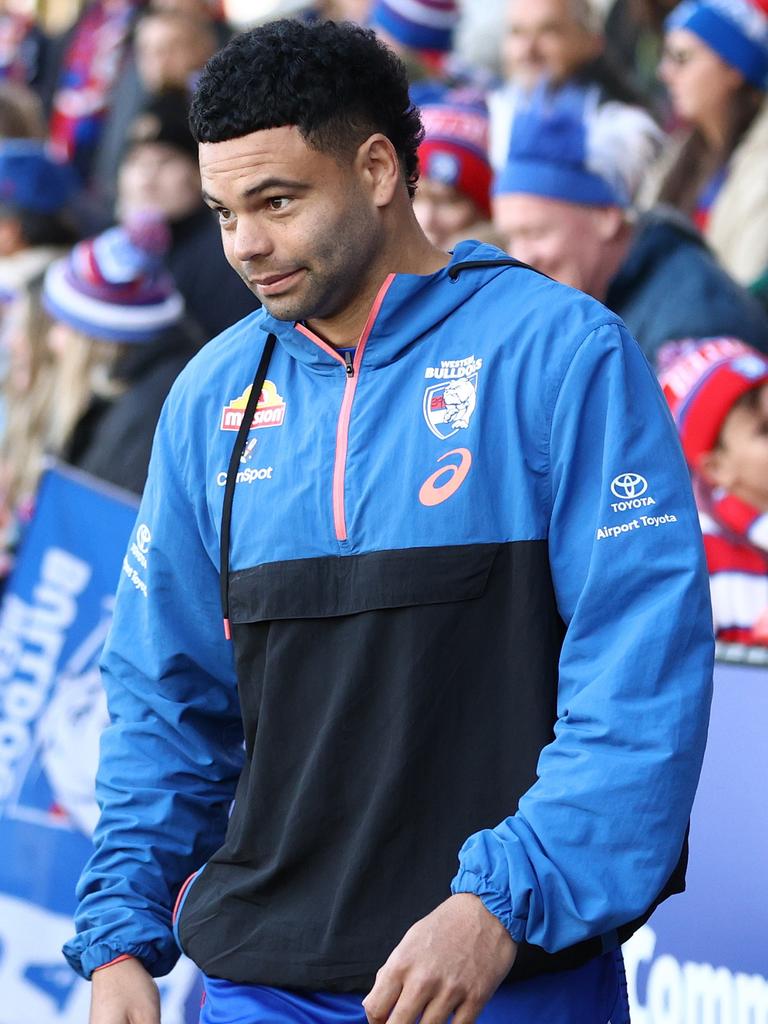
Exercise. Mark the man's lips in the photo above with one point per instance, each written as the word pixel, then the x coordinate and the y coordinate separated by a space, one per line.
pixel 270 284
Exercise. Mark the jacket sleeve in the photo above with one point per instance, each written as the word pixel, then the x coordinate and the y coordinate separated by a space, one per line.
pixel 172 753
pixel 596 837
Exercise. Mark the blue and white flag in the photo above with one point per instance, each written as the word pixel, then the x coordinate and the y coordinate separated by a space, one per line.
pixel 53 620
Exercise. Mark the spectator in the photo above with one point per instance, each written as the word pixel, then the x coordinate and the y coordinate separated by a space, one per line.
pixel 453 194
pixel 170 47
pixel 715 66
pixel 420 32
pixel 718 392
pixel 35 194
pixel 28 394
pixel 159 174
pixel 82 71
pixel 36 191
pixel 22 47
pixel 21 113
pixel 120 340
pixel 559 41
pixel 564 204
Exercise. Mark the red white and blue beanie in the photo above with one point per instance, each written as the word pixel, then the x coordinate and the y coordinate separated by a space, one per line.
pixel 702 386
pixel 568 146
pixel 455 147
pixel 115 287
pixel 419 24
pixel 737 30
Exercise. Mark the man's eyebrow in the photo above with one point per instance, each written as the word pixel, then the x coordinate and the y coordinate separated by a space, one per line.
pixel 262 186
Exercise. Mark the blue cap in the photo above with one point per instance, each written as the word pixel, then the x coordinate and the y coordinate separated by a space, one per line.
pixel 566 146
pixel 737 30
pixel 32 179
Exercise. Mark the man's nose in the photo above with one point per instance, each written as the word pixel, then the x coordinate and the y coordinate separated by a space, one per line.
pixel 252 241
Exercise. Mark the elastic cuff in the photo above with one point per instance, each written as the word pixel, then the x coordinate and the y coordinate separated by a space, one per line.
pixel 117 960
pixel 494 901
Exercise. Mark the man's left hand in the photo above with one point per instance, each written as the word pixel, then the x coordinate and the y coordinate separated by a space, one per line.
pixel 447 967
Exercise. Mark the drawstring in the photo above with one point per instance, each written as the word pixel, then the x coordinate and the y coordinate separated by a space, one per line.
pixel 234 462
pixel 454 271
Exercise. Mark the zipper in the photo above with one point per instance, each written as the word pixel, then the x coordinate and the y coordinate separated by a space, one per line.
pixel 351 363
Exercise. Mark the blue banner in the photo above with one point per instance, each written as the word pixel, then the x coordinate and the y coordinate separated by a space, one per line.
pixel 54 617
pixel 703 956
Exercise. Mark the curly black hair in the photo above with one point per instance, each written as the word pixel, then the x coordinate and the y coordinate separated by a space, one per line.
pixel 335 82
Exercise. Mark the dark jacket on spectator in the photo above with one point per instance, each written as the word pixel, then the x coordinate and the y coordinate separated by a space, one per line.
pixel 213 293
pixel 670 286
pixel 113 439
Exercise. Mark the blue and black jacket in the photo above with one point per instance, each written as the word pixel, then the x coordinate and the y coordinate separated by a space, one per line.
pixel 469 617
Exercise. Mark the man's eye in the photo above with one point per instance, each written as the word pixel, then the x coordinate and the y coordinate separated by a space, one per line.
pixel 225 216
pixel 278 202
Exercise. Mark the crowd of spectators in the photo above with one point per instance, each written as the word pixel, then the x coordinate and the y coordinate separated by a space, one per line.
pixel 620 148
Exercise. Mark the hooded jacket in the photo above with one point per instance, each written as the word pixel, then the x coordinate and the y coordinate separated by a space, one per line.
pixel 470 619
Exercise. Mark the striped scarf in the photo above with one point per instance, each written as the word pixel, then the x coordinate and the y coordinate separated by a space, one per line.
pixel 736 544
pixel 89 70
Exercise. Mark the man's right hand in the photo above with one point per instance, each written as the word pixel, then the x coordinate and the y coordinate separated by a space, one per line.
pixel 124 993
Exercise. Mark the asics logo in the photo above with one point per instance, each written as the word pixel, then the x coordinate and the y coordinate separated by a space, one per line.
pixel 444 482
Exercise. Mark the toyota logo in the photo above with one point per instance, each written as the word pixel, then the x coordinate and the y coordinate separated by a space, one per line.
pixel 143 538
pixel 629 485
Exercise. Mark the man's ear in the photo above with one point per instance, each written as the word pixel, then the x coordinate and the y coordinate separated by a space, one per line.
pixel 380 169
pixel 610 222
pixel 714 467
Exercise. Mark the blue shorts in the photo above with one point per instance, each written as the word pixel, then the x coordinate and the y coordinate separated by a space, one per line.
pixel 593 994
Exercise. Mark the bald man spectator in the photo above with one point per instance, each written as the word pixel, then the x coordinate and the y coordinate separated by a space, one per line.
pixel 563 203
pixel 558 41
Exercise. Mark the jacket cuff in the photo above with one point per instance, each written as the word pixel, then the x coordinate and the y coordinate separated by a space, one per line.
pixel 494 901
pixel 87 959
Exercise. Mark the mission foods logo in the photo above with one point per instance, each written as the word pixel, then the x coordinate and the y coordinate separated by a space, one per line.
pixel 270 409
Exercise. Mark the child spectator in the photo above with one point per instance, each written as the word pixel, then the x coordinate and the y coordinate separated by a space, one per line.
pixel 718 393
pixel 453 194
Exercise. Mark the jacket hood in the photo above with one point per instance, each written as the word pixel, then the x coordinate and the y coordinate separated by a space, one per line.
pixel 406 308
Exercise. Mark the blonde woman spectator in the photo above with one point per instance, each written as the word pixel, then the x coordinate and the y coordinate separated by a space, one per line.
pixel 120 339
pixel 715 66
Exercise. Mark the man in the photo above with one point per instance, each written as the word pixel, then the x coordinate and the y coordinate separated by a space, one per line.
pixel 557 41
pixel 454 633
pixel 564 204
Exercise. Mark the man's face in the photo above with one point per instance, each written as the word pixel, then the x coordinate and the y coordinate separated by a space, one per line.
pixel 169 51
pixel 561 239
pixel 543 39
pixel 155 176
pixel 297 224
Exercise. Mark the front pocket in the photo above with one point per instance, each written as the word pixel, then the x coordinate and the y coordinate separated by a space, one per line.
pixel 315 588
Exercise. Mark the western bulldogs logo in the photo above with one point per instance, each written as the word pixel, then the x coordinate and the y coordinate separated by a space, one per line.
pixel 448 406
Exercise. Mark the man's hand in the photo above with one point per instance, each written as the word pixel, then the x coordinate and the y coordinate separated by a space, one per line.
pixel 449 963
pixel 124 993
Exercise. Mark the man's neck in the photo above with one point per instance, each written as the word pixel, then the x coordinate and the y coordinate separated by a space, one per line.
pixel 414 255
